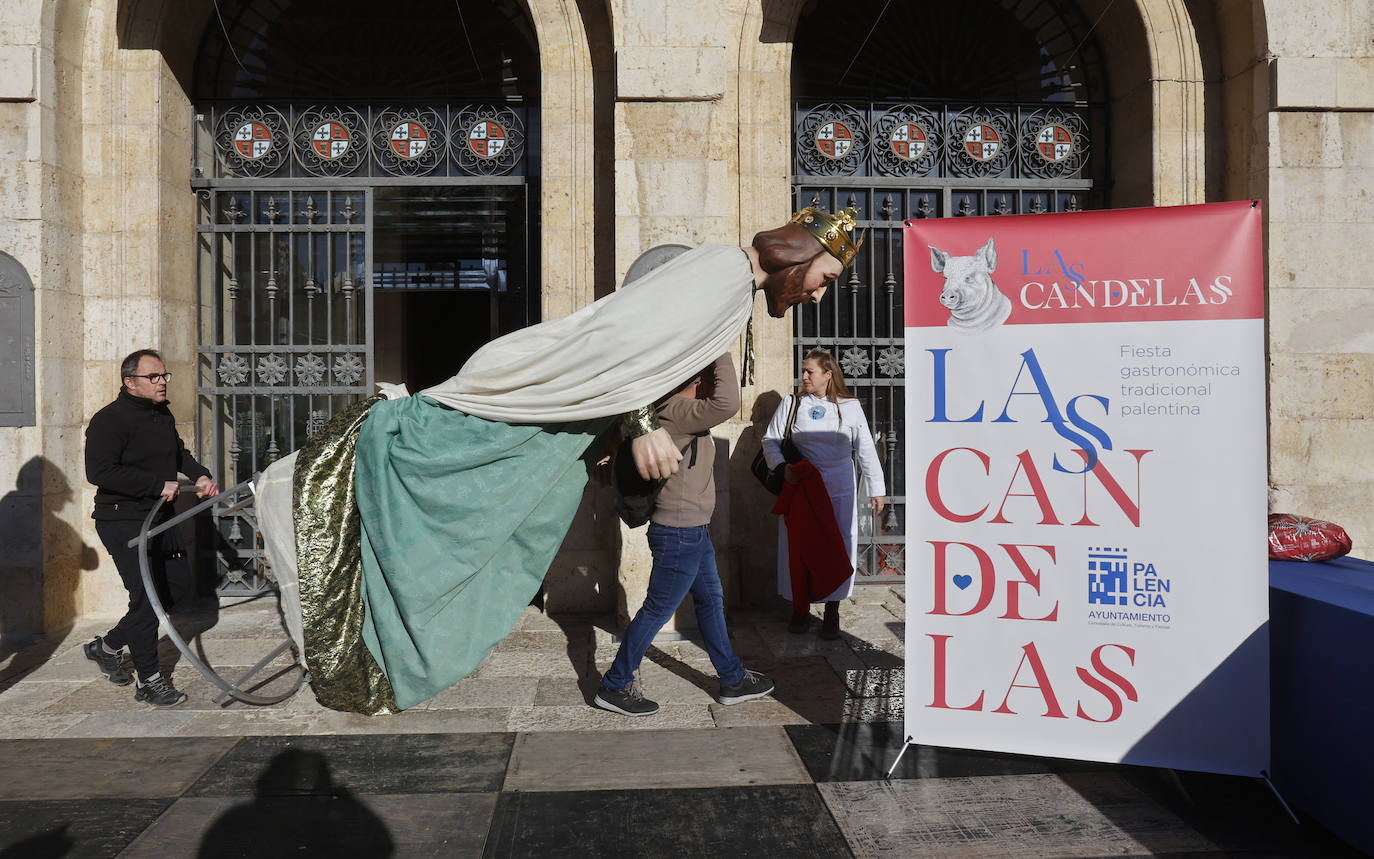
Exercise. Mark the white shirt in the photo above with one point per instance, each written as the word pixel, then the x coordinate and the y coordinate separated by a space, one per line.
pixel 829 435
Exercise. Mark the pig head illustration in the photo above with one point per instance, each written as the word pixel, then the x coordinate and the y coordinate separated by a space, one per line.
pixel 973 300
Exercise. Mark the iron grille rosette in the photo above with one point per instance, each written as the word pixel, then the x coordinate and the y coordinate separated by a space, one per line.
pixel 832 140
pixel 330 140
pixel 979 142
pixel 252 141
pixel 487 140
pixel 907 141
pixel 409 141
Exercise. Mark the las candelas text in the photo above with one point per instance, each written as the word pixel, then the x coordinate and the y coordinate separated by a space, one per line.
pixel 1011 577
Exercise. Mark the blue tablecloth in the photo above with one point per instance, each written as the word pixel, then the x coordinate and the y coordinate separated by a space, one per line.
pixel 1322 691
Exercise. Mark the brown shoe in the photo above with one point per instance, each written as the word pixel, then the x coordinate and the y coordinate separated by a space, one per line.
pixel 799 622
pixel 830 625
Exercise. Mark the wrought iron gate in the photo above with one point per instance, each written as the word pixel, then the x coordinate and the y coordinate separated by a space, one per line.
pixel 306 215
pixel 286 318
pixel 898 161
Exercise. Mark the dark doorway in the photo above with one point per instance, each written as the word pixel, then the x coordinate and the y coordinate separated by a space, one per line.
pixel 450 272
pixel 442 330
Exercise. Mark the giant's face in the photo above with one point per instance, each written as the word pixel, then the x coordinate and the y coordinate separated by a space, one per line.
pixel 803 283
pixel 820 273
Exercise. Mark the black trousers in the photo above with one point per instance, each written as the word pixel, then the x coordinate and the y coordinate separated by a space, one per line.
pixel 138 628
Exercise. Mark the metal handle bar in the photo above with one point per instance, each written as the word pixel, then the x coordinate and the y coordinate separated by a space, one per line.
pixel 141 541
pixel 187 514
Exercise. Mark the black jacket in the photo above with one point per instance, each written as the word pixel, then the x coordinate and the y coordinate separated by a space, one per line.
pixel 132 448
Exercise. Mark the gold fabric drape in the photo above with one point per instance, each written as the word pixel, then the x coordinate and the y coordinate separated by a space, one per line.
pixel 343 672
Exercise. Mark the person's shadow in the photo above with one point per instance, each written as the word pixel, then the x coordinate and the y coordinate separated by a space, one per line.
pixel 42 563
pixel 297 809
pixel 751 509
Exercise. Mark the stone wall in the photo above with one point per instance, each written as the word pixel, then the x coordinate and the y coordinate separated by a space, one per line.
pixel 1319 133
pixel 21 448
pixel 47 540
pixel 665 123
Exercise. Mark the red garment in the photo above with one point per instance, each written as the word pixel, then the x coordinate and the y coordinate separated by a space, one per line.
pixel 816 554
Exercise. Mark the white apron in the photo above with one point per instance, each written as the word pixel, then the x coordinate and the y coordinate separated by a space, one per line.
pixel 830 437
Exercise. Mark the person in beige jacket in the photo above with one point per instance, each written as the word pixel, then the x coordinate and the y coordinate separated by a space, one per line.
pixel 684 559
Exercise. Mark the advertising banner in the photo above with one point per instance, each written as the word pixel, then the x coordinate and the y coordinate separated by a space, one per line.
pixel 1086 471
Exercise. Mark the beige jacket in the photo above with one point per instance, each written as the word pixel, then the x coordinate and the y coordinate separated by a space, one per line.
pixel 689 497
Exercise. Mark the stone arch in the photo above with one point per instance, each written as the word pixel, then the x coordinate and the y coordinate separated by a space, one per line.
pixel 119 234
pixel 143 53
pixel 569 157
pixel 1156 81
pixel 1155 76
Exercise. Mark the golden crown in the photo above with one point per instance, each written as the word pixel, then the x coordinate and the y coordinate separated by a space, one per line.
pixel 835 232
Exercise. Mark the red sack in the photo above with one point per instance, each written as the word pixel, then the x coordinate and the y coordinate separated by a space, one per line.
pixel 1298 538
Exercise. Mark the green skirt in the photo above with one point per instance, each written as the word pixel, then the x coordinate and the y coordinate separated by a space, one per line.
pixel 413 570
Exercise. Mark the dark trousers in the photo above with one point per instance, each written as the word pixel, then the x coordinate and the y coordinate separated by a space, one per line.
pixel 138 628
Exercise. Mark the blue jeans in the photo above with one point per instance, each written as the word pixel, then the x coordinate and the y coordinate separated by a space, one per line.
pixel 684 561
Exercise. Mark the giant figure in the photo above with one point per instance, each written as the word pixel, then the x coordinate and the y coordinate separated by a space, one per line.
pixel 418 528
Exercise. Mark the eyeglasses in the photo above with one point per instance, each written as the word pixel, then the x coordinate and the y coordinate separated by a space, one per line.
pixel 152 377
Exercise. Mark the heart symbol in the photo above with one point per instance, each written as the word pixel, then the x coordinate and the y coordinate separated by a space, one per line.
pixel 962 581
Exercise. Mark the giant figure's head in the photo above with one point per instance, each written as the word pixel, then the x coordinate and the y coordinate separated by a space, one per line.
pixel 804 256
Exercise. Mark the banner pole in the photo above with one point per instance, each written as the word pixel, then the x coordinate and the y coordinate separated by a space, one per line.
pixel 905 745
pixel 1264 774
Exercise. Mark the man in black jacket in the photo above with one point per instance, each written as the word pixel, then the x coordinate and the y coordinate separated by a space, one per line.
pixel 133 455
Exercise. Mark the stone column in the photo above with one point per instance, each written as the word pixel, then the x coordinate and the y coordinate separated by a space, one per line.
pixel 676 163
pixel 1320 141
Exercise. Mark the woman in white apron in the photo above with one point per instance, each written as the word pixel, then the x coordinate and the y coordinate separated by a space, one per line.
pixel 832 434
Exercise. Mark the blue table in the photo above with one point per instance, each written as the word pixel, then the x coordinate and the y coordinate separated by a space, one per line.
pixel 1321 625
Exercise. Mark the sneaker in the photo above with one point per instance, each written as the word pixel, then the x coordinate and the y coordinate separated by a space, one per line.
pixel 754 685
pixel 159 692
pixel 110 664
pixel 627 702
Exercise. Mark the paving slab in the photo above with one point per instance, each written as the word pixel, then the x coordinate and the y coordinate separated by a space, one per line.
pixel 774 820
pixel 476 692
pixel 553 640
pixel 402 825
pixel 269 722
pixel 201 692
pixel 875 683
pixel 33 696
pixel 97 768
pixel 1026 815
pixel 66 663
pixel 259 721
pixel 673 681
pixel 859 751
pixel 584 717
pixel 95 695
pixel 532 663
pixel 873 709
pixel 763 711
pixel 383 764
pixel 224 653
pixel 409 722
pixel 843 659
pixel 39 727
pixel 653 759
pixel 564 691
pixel 145 721
pixel 74 828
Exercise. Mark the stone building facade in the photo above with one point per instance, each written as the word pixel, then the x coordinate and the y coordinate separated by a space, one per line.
pixel 657 122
